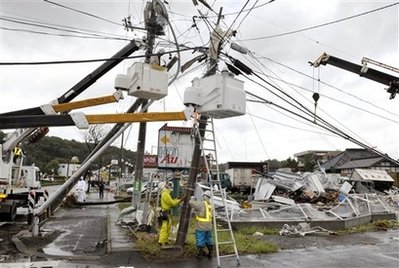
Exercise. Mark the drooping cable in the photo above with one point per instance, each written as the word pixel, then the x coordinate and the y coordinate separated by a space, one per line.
pixel 35 24
pixel 325 124
pixel 64 35
pixel 334 99
pixel 88 14
pixel 323 24
pixel 84 61
pixel 326 127
pixel 257 133
pixel 331 86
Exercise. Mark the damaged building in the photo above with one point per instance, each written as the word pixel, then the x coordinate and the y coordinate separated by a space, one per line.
pixel 346 162
pixel 350 188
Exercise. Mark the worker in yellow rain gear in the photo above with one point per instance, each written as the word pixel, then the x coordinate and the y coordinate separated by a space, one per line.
pixel 167 204
pixel 203 230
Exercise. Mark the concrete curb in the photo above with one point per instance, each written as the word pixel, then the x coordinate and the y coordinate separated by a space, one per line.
pixel 327 224
pixel 108 231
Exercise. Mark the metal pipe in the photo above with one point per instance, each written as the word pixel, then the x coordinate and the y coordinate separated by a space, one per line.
pixel 67 186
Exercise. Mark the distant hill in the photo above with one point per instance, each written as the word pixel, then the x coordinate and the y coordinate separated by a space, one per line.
pixel 51 148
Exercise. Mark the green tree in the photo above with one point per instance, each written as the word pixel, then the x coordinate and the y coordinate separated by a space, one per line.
pixel 290 163
pixel 274 164
pixel 309 163
pixel 52 167
pixel 47 149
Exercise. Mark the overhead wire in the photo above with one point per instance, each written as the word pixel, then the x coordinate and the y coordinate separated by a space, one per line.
pixel 85 61
pixel 331 86
pixel 54 26
pixel 89 14
pixel 285 114
pixel 340 123
pixel 334 99
pixel 64 35
pixel 323 24
pixel 24 22
pixel 234 21
pixel 290 126
pixel 311 112
pixel 300 107
pixel 326 127
pixel 334 48
pixel 249 11
pixel 307 110
pixel 257 133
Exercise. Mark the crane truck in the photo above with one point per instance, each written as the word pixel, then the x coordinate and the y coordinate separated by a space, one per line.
pixel 363 70
pixel 16 179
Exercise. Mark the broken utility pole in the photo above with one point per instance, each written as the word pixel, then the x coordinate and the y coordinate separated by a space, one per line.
pixel 186 210
pixel 154 28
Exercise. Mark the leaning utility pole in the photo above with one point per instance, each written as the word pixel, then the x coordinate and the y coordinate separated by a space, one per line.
pixel 214 49
pixel 153 29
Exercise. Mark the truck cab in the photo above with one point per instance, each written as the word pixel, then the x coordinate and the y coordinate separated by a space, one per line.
pixel 224 179
pixel 31 177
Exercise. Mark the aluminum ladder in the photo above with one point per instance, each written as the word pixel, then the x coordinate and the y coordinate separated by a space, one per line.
pixel 209 154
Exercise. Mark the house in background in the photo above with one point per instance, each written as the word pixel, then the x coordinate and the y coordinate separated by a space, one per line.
pixel 318 156
pixel 67 169
pixel 346 162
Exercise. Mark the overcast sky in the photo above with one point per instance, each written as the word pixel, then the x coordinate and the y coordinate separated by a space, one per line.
pixel 356 105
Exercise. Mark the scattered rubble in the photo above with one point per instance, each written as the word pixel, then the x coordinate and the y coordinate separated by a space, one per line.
pixel 303 229
pixel 318 196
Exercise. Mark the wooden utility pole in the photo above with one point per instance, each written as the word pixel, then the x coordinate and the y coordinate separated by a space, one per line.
pixel 186 210
pixel 138 174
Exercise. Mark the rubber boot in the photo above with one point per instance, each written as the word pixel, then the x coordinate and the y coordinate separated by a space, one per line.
pixel 210 248
pixel 200 252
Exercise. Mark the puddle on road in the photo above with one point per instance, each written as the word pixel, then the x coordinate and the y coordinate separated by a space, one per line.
pixel 53 248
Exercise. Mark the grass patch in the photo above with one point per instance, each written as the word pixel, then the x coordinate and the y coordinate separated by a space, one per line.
pixel 246 243
pixel 372 226
pixel 148 245
pixel 124 205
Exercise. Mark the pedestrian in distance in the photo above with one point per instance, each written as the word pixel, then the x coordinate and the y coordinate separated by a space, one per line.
pixel 81 189
pixel 203 226
pixel 165 217
pixel 101 189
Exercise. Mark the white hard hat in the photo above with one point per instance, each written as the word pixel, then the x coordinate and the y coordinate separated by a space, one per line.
pixel 207 193
pixel 161 185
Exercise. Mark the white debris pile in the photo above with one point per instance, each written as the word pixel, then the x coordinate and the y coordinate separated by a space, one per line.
pixel 303 229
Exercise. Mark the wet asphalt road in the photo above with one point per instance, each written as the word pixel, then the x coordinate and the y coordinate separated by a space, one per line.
pixel 81 229
pixel 382 254
pixel 380 250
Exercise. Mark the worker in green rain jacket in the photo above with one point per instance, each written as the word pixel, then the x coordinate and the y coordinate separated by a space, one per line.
pixel 167 204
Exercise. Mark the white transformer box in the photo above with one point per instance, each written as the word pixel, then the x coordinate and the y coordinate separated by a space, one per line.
pixel 217 96
pixel 144 80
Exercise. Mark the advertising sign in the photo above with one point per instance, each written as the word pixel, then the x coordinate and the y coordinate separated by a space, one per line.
pixel 175 147
pixel 150 161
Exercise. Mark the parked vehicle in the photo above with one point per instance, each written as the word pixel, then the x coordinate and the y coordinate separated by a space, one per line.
pixel 15 182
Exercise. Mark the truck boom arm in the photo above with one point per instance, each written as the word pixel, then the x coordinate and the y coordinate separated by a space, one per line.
pixel 391 81
pixel 82 121
pixel 81 86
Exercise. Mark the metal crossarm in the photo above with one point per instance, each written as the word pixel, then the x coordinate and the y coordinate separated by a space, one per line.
pixel 209 155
